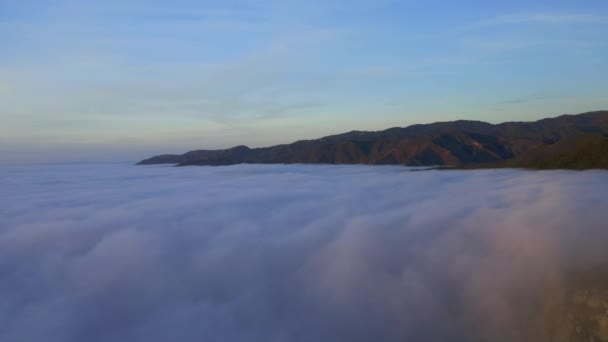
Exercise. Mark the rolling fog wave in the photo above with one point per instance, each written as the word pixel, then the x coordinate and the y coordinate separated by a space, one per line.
pixel 294 253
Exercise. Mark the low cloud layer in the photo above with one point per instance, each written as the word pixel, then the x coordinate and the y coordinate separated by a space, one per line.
pixel 295 253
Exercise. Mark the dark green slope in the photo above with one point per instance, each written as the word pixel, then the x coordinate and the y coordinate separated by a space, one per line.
pixel 583 152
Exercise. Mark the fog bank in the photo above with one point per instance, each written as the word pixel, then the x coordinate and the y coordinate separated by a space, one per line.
pixel 297 253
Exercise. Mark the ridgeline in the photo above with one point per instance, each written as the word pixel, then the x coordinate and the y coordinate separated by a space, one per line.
pixel 565 142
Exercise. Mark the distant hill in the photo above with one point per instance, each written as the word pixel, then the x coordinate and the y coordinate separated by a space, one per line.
pixel 568 141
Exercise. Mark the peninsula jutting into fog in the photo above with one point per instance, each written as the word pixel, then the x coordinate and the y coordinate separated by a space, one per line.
pixel 567 142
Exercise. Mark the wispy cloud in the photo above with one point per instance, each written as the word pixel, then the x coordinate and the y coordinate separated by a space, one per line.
pixel 544 18
pixel 498 45
pixel 538 98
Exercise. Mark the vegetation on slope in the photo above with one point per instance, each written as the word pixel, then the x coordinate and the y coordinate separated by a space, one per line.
pixel 568 141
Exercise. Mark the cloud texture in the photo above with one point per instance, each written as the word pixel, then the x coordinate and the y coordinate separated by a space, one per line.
pixel 293 253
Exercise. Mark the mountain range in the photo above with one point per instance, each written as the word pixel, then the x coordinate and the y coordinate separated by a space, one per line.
pixel 568 141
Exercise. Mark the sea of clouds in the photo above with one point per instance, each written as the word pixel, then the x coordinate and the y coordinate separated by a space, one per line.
pixel 293 253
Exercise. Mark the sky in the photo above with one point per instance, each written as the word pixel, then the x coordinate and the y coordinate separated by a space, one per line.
pixel 122 80
pixel 292 253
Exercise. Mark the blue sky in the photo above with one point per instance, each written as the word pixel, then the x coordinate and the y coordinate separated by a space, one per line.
pixel 120 80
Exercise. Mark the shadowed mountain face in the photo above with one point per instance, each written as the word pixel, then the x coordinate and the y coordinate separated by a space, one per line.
pixel 569 141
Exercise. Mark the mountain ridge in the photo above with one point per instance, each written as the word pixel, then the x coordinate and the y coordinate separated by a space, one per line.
pixel 460 143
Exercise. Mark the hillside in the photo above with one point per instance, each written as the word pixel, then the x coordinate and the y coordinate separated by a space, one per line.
pixel 568 141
